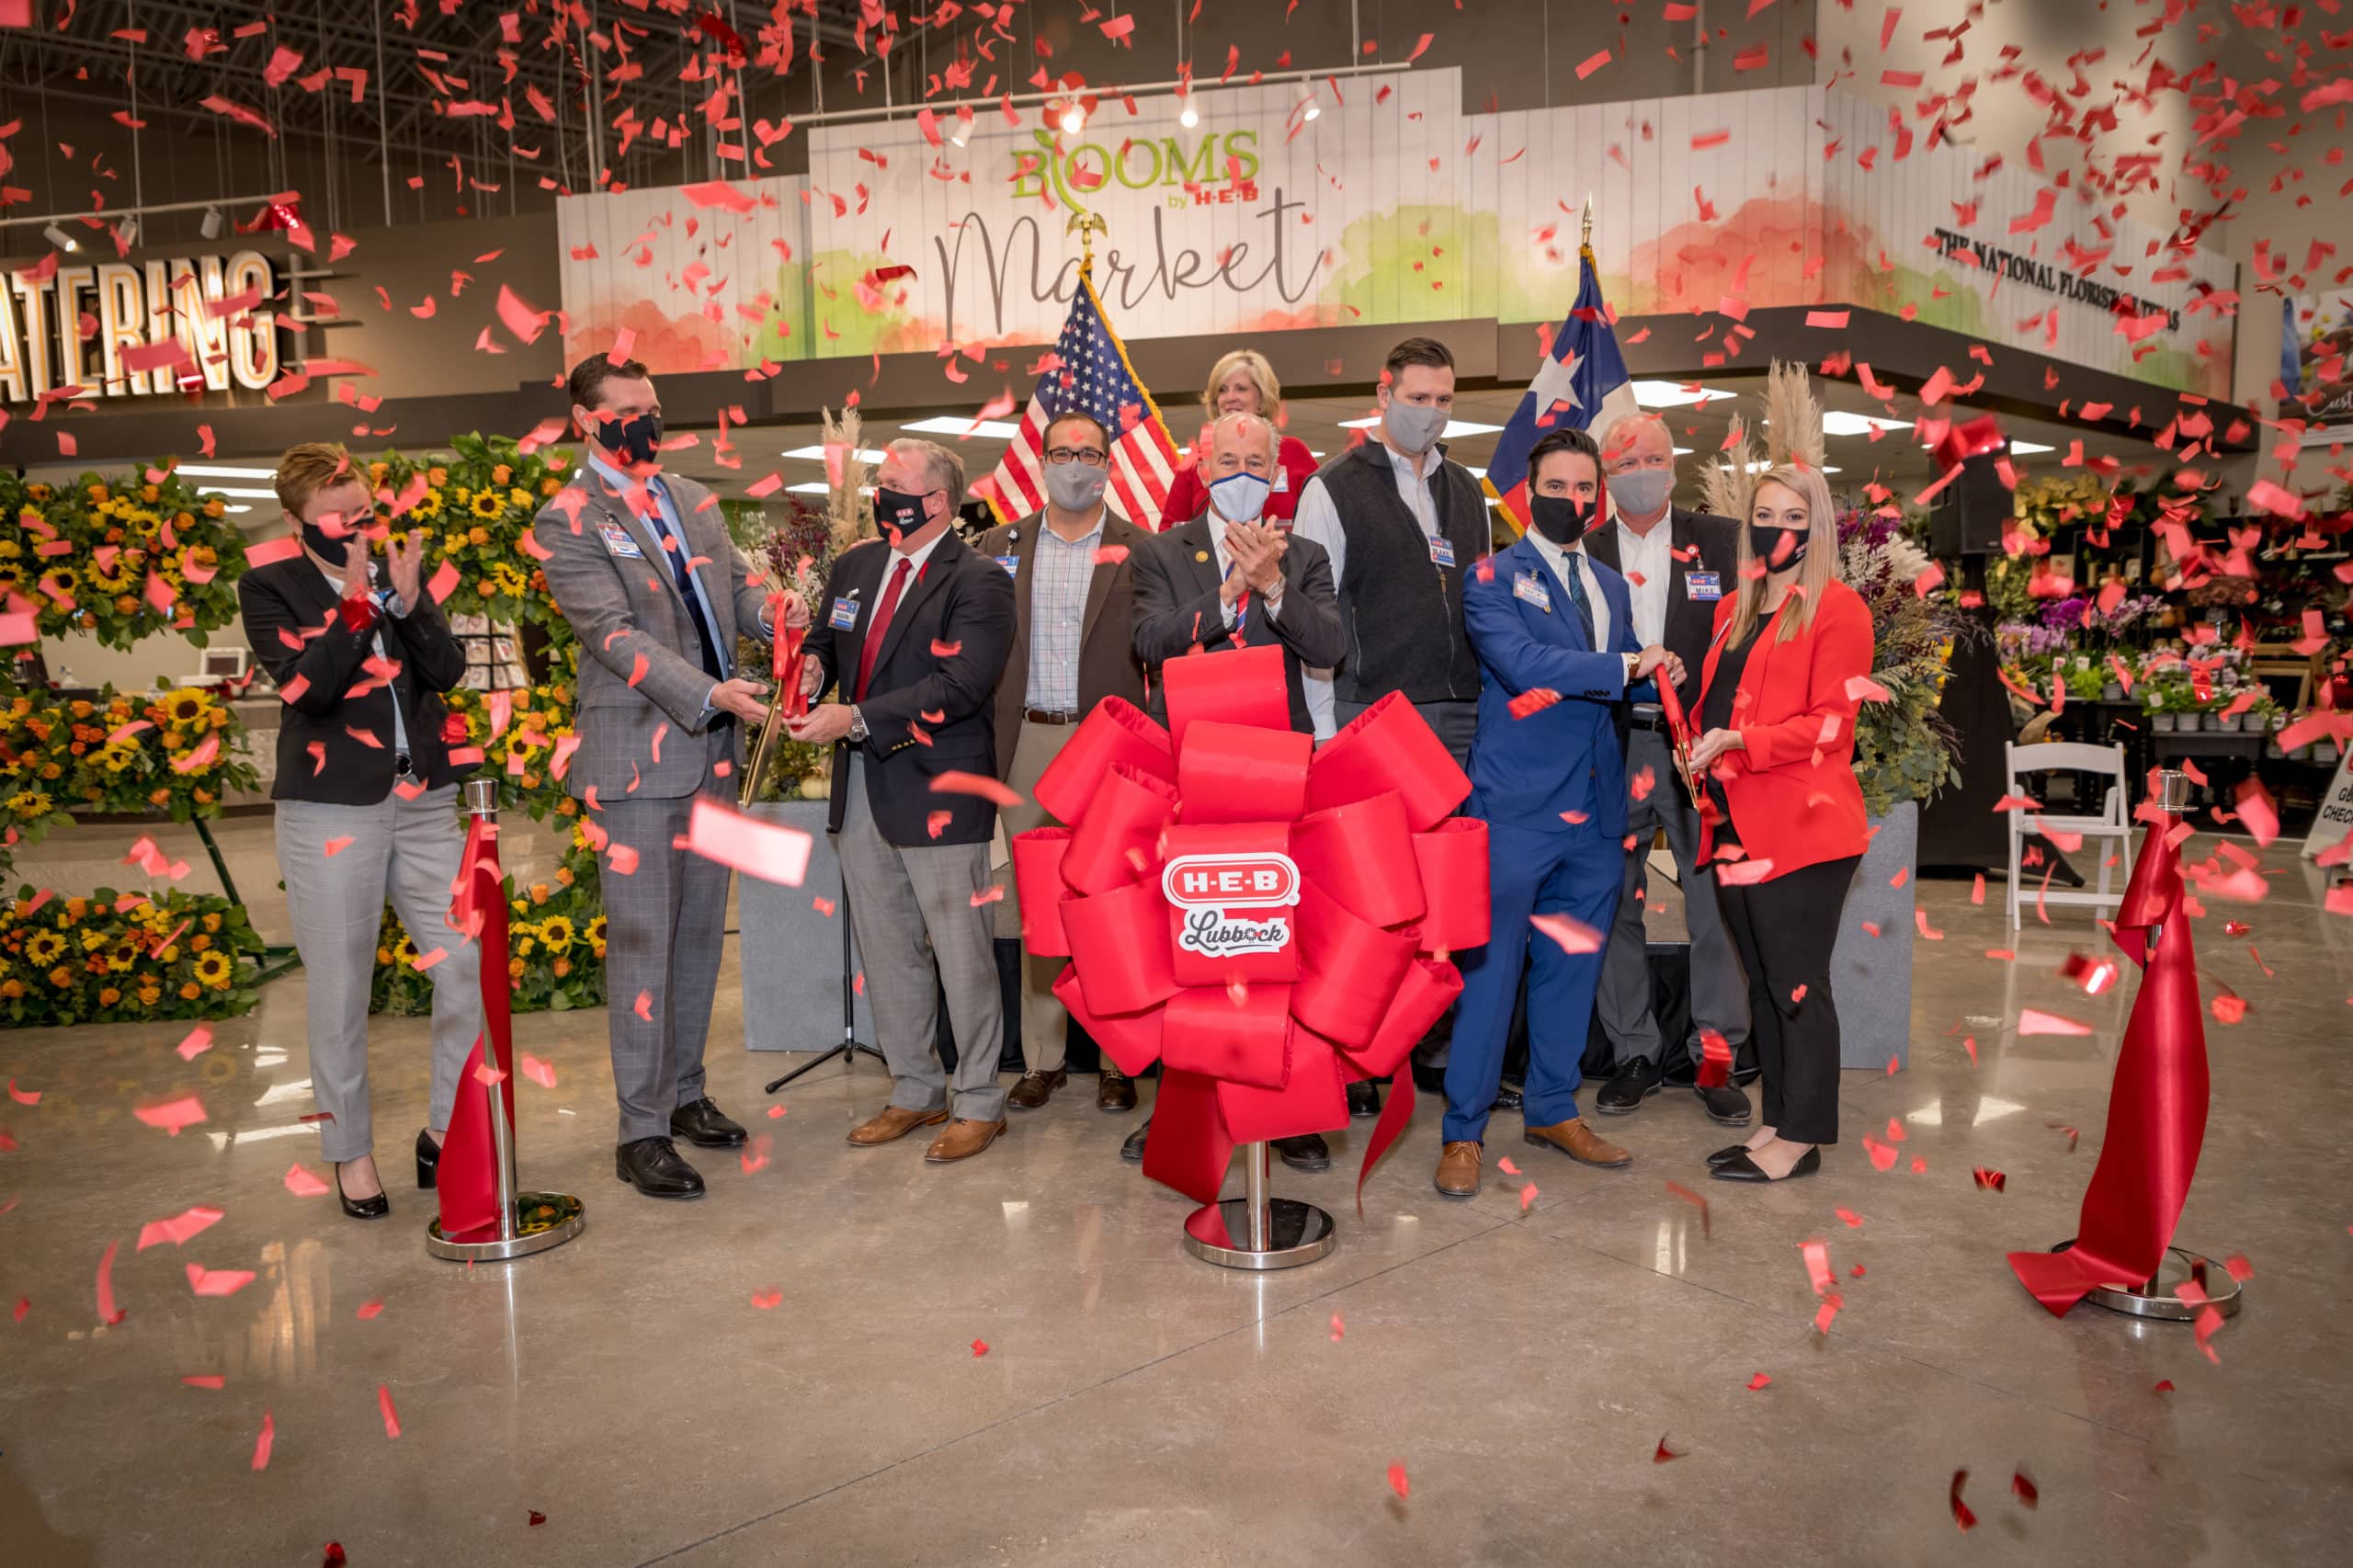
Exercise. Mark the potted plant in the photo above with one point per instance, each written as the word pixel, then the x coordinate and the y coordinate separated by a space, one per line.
pixel 1904 755
pixel 2161 694
pixel 2086 681
pixel 792 990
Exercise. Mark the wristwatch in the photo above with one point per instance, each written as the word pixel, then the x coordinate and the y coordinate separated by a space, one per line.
pixel 856 727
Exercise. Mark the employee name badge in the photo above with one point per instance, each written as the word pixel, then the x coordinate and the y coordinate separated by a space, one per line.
pixel 617 542
pixel 1012 563
pixel 1529 586
pixel 1442 549
pixel 844 615
pixel 1702 586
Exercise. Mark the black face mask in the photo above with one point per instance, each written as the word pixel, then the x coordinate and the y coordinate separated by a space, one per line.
pixel 897 511
pixel 1763 541
pixel 636 440
pixel 331 550
pixel 1562 520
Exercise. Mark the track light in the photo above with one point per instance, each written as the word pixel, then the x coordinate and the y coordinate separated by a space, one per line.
pixel 212 221
pixel 961 131
pixel 60 238
pixel 1187 116
pixel 1074 118
pixel 1307 108
pixel 129 231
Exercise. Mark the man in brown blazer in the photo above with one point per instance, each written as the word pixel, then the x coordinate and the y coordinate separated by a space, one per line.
pixel 1074 601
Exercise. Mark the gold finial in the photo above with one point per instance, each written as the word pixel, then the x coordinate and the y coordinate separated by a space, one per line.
pixel 1087 226
pixel 1587 240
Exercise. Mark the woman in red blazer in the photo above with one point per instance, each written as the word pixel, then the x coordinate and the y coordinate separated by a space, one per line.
pixel 1242 384
pixel 1777 748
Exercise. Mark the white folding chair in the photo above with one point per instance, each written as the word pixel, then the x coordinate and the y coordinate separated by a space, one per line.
pixel 2111 824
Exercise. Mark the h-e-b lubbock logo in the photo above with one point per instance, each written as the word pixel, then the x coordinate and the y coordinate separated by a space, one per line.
pixel 1221 894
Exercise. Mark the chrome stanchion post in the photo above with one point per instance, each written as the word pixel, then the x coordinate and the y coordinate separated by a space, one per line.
pixel 527 1221
pixel 2156 1300
pixel 1282 1232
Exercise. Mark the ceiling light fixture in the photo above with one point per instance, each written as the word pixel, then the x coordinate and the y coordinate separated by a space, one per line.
pixel 1673 394
pixel 817 454
pixel 212 223
pixel 1837 421
pixel 208 470
pixel 1454 428
pixel 958 425
pixel 1073 117
pixel 60 238
pixel 2027 449
pixel 1307 105
pixel 1187 115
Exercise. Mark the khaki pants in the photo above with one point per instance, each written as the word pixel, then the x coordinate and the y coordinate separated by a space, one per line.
pixel 1044 1020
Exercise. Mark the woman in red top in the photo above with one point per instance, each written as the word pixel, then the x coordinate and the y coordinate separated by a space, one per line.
pixel 1776 749
pixel 1242 384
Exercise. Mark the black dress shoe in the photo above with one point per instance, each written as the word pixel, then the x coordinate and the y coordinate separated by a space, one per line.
pixel 702 1125
pixel 1429 1079
pixel 1364 1098
pixel 1727 1154
pixel 1507 1098
pixel 374 1208
pixel 1746 1169
pixel 1304 1153
pixel 1635 1082
pixel 1132 1149
pixel 653 1166
pixel 428 1159
pixel 1724 1104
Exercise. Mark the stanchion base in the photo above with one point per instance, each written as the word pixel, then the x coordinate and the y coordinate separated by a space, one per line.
pixel 2157 1302
pixel 543 1220
pixel 1300 1232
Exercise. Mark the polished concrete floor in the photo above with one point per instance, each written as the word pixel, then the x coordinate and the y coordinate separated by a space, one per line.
pixel 1521 1366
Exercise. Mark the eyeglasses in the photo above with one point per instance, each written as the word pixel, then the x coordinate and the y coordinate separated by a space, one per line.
pixel 1086 455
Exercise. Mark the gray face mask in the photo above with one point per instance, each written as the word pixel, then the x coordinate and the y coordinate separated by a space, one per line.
pixel 1642 490
pixel 1074 487
pixel 1413 426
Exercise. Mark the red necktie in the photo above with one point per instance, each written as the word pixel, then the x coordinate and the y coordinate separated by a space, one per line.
pixel 881 624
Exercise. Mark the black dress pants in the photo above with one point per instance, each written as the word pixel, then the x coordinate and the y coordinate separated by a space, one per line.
pixel 1784 929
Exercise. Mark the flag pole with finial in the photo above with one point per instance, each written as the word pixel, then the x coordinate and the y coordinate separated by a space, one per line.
pixel 1088 225
pixel 1585 240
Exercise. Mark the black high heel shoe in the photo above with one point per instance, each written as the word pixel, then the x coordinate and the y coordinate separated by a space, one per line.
pixel 374 1208
pixel 429 1160
pixel 1746 1169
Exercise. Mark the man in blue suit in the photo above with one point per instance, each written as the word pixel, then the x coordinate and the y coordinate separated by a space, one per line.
pixel 1553 631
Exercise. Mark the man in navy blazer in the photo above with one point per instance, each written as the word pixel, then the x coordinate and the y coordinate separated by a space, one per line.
pixel 1553 631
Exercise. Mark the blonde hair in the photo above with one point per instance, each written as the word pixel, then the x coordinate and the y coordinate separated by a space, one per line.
pixel 1815 572
pixel 1270 390
pixel 304 471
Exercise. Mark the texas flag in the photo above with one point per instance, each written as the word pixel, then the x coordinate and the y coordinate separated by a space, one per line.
pixel 1583 383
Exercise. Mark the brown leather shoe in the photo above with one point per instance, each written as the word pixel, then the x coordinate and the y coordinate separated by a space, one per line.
pixel 1117 1091
pixel 1578 1141
pixel 1036 1088
pixel 963 1139
pixel 894 1124
pixel 1457 1170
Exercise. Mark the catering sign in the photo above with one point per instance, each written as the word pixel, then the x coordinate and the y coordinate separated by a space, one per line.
pixel 137 328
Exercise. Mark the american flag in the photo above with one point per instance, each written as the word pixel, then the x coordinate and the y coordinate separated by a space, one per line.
pixel 1090 373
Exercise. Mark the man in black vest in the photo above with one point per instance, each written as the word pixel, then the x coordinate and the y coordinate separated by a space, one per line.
pixel 1677 566
pixel 1402 525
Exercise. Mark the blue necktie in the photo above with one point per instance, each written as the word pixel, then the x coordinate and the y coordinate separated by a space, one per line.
pixel 1576 595
pixel 674 548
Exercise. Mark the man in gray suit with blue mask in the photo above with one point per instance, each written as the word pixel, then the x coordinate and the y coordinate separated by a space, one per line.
pixel 639 563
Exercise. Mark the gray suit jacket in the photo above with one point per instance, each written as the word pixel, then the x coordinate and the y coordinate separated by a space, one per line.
pixel 626 608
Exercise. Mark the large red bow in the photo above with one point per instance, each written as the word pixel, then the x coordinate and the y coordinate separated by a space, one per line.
pixel 1266 920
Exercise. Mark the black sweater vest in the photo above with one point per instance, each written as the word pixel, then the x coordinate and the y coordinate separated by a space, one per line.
pixel 1403 611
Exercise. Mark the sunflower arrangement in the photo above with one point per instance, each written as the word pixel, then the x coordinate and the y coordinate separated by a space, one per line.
pixel 114 958
pixel 476 504
pixel 122 559
pixel 555 945
pixel 177 752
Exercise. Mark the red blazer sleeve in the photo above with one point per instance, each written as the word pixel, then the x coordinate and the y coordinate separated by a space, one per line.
pixel 1839 648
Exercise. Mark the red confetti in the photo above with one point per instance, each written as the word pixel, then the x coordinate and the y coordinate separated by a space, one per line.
pixel 1990 1180
pixel 2025 1491
pixel 980 1347
pixel 1961 1513
pixel 392 1416
pixel 262 1443
pixel 1663 1453
pixel 1758 1381
pixel 1693 1199
pixel 1397 1481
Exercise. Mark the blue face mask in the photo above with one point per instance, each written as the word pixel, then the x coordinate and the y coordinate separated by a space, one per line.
pixel 1240 497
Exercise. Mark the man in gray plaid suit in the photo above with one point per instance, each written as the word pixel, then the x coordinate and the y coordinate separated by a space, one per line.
pixel 639 563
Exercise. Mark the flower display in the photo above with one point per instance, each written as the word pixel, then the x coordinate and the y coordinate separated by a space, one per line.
pixel 475 506
pixel 120 560
pixel 114 958
pixel 177 750
pixel 1904 747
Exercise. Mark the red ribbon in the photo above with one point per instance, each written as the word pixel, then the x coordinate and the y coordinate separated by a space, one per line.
pixel 787 669
pixel 2156 1111
pixel 467 1181
pixel 1254 1044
